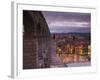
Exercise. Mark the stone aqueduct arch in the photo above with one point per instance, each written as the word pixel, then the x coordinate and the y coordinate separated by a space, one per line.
pixel 36 40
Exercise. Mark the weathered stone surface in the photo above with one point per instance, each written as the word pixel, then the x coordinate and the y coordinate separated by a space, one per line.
pixel 36 40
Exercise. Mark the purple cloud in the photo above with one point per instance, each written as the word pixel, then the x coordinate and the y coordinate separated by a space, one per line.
pixel 68 21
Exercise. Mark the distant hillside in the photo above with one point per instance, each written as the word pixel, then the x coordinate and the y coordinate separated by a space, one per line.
pixel 72 33
pixel 87 36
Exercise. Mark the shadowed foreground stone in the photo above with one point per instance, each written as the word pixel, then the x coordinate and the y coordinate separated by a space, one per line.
pixel 36 40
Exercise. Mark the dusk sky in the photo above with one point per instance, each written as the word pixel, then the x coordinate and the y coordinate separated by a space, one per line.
pixel 65 22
